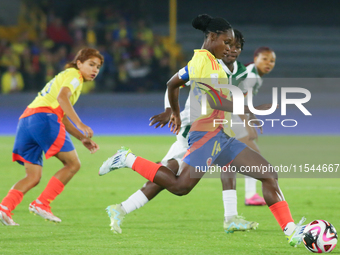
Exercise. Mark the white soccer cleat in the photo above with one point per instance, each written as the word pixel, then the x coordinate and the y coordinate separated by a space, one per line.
pixel 239 223
pixel 116 214
pixel 43 211
pixel 296 237
pixel 115 162
pixel 7 220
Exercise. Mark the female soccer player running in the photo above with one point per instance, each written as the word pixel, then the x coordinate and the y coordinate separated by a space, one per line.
pixel 42 128
pixel 209 144
pixel 232 221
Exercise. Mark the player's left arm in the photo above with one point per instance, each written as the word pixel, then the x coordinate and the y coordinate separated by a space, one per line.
pixel 87 142
pixel 64 101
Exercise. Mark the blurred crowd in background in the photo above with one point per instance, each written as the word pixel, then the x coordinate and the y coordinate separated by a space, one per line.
pixel 32 53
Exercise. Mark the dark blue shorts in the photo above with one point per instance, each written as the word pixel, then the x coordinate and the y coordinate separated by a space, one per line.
pixel 207 148
pixel 38 133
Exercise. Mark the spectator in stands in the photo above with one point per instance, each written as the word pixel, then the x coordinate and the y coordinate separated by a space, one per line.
pixel 123 32
pixel 144 33
pixel 9 58
pixel 19 45
pixel 59 33
pixel 11 81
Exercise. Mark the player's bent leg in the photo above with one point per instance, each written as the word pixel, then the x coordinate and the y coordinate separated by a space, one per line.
pixel 178 185
pixel 41 206
pixel 32 178
pixel 160 175
pixel 151 189
pixel 71 164
pixel 272 195
pixel 247 160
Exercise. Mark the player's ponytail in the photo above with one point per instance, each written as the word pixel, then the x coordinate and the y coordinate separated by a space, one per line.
pixel 83 55
pixel 201 22
pixel 207 24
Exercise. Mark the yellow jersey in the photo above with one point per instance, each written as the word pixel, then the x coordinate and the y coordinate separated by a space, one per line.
pixel 46 100
pixel 205 72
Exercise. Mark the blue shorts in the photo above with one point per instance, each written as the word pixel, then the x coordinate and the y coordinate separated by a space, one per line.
pixel 207 148
pixel 38 133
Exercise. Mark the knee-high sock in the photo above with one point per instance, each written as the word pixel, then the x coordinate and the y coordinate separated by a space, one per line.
pixel 230 203
pixel 135 201
pixel 52 190
pixel 13 198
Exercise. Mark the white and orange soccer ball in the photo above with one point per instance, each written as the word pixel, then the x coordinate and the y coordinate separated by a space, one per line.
pixel 320 236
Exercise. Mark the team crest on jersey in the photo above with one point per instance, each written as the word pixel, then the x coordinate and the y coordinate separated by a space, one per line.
pixel 209 161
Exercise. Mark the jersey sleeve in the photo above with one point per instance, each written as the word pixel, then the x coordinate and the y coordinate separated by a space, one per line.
pixel 72 80
pixel 204 69
pixel 183 74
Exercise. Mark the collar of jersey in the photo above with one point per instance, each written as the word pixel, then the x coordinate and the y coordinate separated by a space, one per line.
pixel 204 50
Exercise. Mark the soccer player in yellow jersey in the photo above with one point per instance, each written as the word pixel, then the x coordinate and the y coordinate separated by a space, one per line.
pixel 42 128
pixel 208 143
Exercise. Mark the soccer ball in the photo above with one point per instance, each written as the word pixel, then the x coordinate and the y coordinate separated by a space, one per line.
pixel 320 236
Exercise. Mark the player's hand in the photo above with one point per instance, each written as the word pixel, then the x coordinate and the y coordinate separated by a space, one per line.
pixel 161 119
pixel 87 131
pixel 89 144
pixel 175 123
pixel 255 121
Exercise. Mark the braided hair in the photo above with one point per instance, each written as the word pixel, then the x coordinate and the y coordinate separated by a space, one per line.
pixel 208 24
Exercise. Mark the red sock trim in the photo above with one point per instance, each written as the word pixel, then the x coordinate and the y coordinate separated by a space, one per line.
pixel 145 168
pixel 13 198
pixel 282 214
pixel 52 190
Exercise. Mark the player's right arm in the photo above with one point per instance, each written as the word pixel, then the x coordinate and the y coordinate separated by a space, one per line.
pixel 174 84
pixel 65 104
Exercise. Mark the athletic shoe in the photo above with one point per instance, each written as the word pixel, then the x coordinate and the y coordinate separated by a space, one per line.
pixel 116 161
pixel 296 237
pixel 238 223
pixel 6 218
pixel 42 210
pixel 116 214
pixel 255 200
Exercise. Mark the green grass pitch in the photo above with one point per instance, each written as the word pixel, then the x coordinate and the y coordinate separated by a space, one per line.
pixel 191 224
